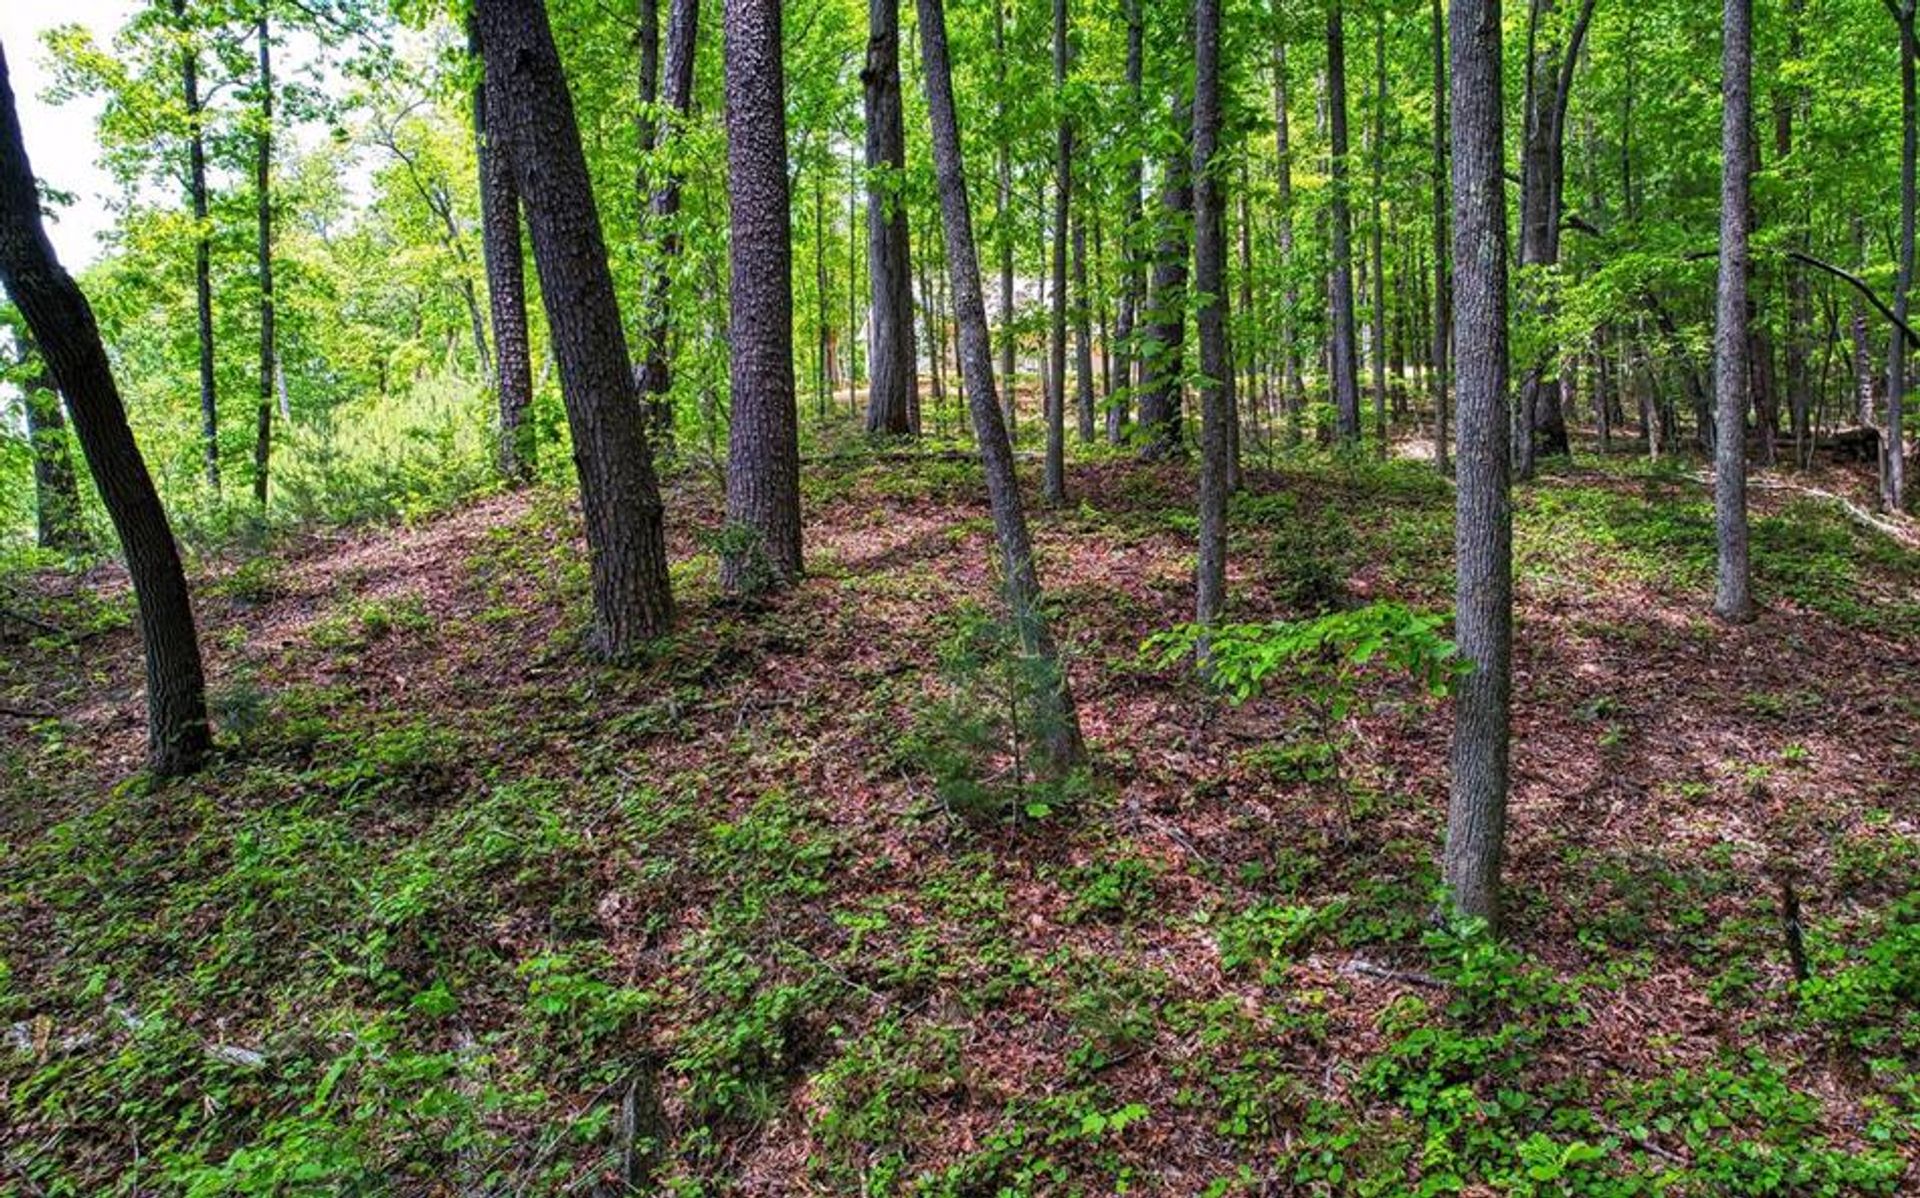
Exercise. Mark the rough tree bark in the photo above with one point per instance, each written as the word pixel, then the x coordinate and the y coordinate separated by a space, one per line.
pixel 1210 302
pixel 1341 346
pixel 1733 599
pixel 1064 749
pixel 619 496
pixel 1483 538
pixel 763 438
pixel 506 288
pixel 1082 331
pixel 891 406
pixel 656 368
pixel 62 322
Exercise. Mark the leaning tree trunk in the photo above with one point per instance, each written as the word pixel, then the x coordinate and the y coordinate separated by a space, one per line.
pixel 763 437
pixel 62 322
pixel 506 289
pixel 1056 392
pixel 890 382
pixel 1059 722
pixel 1209 280
pixel 56 496
pixel 1483 537
pixel 656 372
pixel 263 211
pixel 1733 599
pixel 1003 215
pixel 1342 348
pixel 619 497
pixel 1166 315
pixel 202 244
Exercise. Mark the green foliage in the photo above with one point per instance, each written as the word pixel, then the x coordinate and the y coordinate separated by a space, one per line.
pixel 1329 650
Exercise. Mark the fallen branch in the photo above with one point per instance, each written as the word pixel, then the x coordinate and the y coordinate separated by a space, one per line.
pixel 1902 533
pixel 1366 968
pixel 27 713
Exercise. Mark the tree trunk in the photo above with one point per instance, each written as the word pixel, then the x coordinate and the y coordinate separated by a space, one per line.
pixel 1483 538
pixel 1166 315
pixel 1056 467
pixel 891 406
pixel 506 288
pixel 1082 330
pixel 1789 101
pixel 202 243
pixel 1293 387
pixel 62 323
pixel 1210 300
pixel 763 442
pixel 1550 68
pixel 1134 272
pixel 1893 460
pixel 56 496
pixel 1733 599
pixel 1003 217
pixel 1059 722
pixel 1345 355
pixel 1377 232
pixel 263 210
pixel 619 496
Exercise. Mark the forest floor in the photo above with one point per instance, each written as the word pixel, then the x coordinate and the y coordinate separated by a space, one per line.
pixel 458 911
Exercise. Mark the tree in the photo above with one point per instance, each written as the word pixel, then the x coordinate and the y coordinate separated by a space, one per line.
pixel 1733 600
pixel 1893 462
pixel 1483 536
pixel 1437 341
pixel 1166 315
pixel 506 286
pixel 1059 721
pixel 1293 387
pixel 178 737
pixel 1056 471
pixel 58 524
pixel 202 241
pixel 892 399
pixel 1133 270
pixel 656 372
pixel 1342 347
pixel 534 121
pixel 763 438
pixel 263 213
pixel 1210 303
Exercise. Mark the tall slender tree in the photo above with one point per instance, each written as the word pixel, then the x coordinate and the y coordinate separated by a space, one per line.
pixel 202 240
pixel 1377 230
pixel 1056 468
pixel 763 437
pixel 263 251
pixel 1082 330
pixel 1161 348
pixel 656 370
pixel 1483 535
pixel 1058 720
pixel 1442 303
pixel 1133 269
pixel 1210 315
pixel 1341 346
pixel 1893 451
pixel 506 288
pixel 892 400
pixel 58 524
pixel 62 322
pixel 1292 386
pixel 619 496
pixel 1733 599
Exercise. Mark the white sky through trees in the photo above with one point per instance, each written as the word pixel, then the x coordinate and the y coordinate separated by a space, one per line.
pixel 60 138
